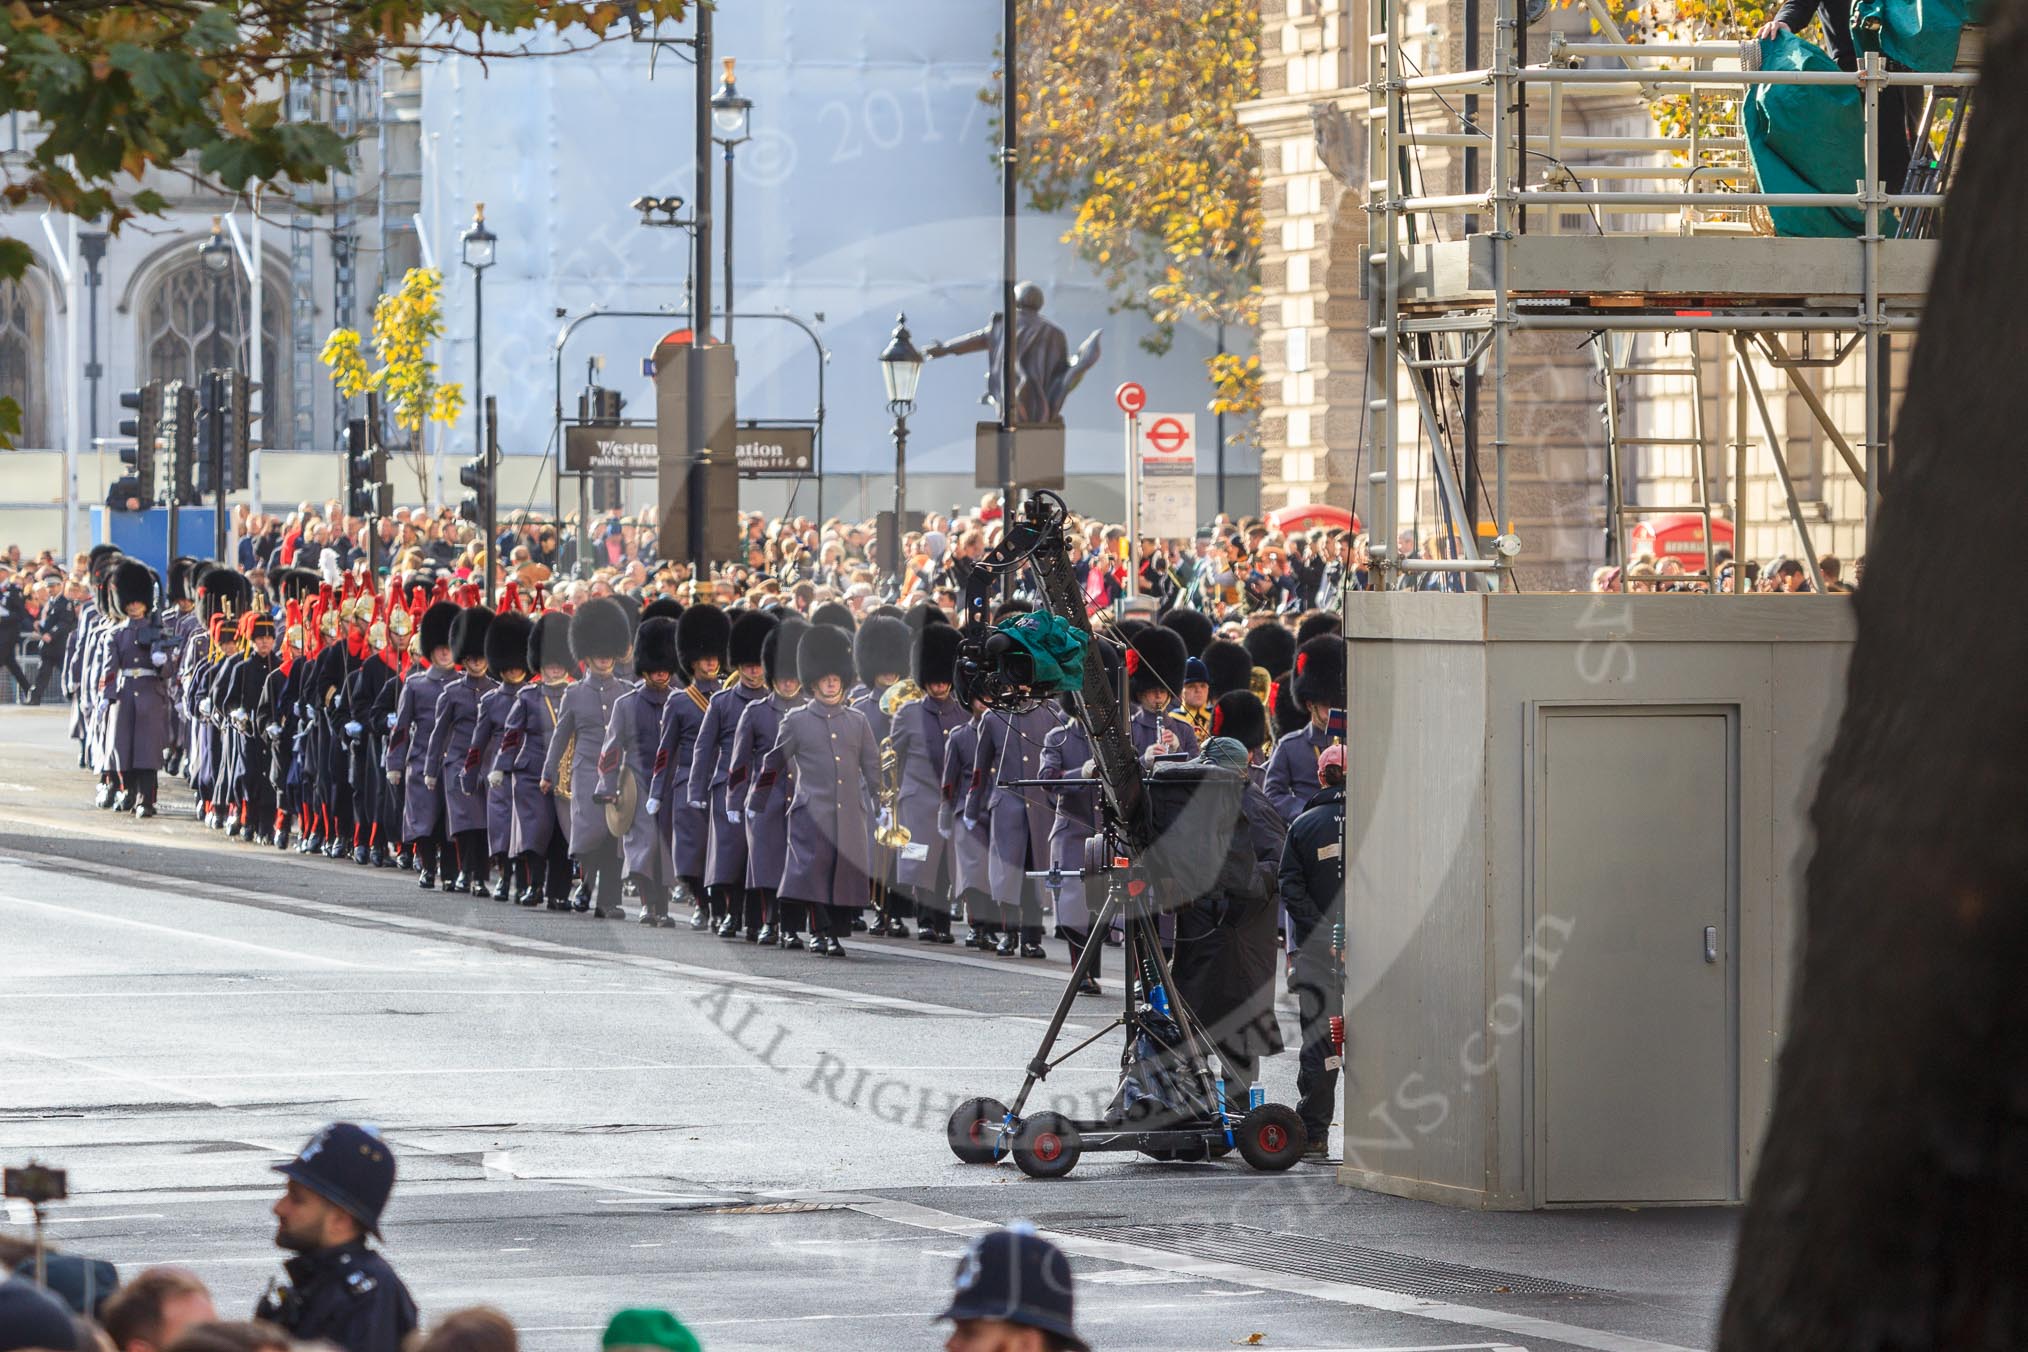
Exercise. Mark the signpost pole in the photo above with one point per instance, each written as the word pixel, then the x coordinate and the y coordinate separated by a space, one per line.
pixel 1131 398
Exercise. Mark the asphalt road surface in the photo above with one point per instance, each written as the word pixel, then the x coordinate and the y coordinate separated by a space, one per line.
pixel 592 1115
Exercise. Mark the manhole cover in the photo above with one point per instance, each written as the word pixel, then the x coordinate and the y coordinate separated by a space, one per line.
pixel 1327 1260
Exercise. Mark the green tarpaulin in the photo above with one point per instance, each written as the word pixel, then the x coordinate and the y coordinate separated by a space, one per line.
pixel 1057 646
pixel 1914 34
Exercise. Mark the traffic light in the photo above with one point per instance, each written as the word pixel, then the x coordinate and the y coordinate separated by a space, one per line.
pixel 599 406
pixel 477 475
pixel 213 389
pixel 239 419
pixel 367 492
pixel 179 437
pixel 145 427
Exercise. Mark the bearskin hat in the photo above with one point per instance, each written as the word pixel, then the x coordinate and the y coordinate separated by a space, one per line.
pixel 98 554
pixel 507 642
pixel 225 591
pixel 549 643
pixel 881 648
pixel 1007 610
pixel 825 650
pixel 655 645
pixel 835 613
pixel 1289 716
pixel 1272 647
pixel 1320 671
pixel 1128 626
pixel 923 613
pixel 663 608
pixel 1193 625
pixel 1238 714
pixel 703 630
pixel 133 581
pixel 1318 622
pixel 746 638
pixel 1160 661
pixel 778 650
pixel 936 655
pixel 1228 665
pixel 179 577
pixel 468 633
pixel 600 628
pixel 435 628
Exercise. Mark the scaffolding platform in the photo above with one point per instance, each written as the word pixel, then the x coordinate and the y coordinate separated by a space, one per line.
pixel 1662 273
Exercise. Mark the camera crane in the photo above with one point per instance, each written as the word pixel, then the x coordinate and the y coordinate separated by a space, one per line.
pixel 1174 822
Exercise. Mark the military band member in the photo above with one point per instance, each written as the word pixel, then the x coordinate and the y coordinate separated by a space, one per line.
pixel 408 743
pixel 880 657
pixel 970 846
pixel 1066 754
pixel 767 919
pixel 451 739
pixel 540 839
pixel 278 721
pixel 1195 707
pixel 1017 820
pixel 506 663
pixel 918 735
pixel 372 692
pixel 702 632
pixel 600 637
pixel 1157 665
pixel 712 786
pixel 633 730
pixel 827 754
pixel 1318 686
pixel 244 702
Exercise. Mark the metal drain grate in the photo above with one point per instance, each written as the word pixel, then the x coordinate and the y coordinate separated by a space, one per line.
pixel 768 1209
pixel 1327 1260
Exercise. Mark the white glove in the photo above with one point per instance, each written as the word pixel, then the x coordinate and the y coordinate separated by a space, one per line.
pixel 970 825
pixel 654 807
pixel 204 706
pixel 392 719
pixel 497 778
pixel 394 776
pixel 353 729
pixel 430 783
pixel 732 814
pixel 159 659
pixel 274 729
pixel 699 807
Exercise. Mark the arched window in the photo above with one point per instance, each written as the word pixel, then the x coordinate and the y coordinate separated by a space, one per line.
pixel 192 323
pixel 23 316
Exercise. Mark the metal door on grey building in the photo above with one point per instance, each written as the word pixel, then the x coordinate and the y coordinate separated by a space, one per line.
pixel 1637 1027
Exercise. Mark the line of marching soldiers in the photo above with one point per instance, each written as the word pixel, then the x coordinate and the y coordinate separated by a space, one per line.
pixel 777 774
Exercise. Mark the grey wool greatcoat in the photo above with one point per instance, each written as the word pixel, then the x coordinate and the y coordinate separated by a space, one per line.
pixel 524 744
pixel 1292 770
pixel 829 753
pixel 968 843
pixel 451 741
pixel 919 733
pixel 408 744
pixel 690 826
pixel 632 733
pixel 491 729
pixel 138 696
pixel 579 733
pixel 1017 820
pixel 713 787
pixel 767 827
pixel 1146 729
pixel 1064 753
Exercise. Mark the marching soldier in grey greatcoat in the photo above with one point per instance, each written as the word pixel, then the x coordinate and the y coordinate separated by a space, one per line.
pixel 628 754
pixel 138 668
pixel 880 656
pixel 712 786
pixel 970 847
pixel 408 741
pixel 1065 753
pixel 1319 687
pixel 451 741
pixel 702 632
pixel 827 752
pixel 1017 820
pixel 507 663
pixel 918 734
pixel 540 834
pixel 600 636
pixel 1157 664
pixel 769 920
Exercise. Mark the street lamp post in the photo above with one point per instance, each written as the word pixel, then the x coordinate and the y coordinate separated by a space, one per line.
pixel 476 246
pixel 731 115
pixel 900 368
pixel 216 256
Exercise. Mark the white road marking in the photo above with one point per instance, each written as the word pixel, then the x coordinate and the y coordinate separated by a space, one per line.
pixel 1238 1274
pixel 101 918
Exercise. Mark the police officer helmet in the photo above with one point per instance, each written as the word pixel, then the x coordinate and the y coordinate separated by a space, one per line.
pixel 1018 1277
pixel 349 1166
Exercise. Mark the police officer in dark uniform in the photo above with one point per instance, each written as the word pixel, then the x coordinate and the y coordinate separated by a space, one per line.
pixel 1013 1294
pixel 338 1290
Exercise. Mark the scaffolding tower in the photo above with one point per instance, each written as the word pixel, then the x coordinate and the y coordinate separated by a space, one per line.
pixel 1438 307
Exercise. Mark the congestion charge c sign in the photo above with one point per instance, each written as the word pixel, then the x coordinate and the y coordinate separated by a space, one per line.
pixel 1131 397
pixel 1168 436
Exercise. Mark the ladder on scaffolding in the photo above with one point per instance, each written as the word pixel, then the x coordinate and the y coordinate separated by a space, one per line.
pixel 1939 134
pixel 1616 357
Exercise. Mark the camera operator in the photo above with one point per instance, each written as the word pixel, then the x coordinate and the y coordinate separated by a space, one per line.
pixel 338 1290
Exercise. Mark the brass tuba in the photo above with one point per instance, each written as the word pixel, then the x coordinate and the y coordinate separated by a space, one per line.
pixel 891 833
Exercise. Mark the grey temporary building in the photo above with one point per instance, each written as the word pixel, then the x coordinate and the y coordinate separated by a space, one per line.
pixel 1576 831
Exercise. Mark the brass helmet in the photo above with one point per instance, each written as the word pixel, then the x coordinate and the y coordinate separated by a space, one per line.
pixel 328 623
pixel 401 624
pixel 376 635
pixel 293 636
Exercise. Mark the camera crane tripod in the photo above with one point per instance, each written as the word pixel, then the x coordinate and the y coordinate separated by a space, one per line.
pixel 1170 1105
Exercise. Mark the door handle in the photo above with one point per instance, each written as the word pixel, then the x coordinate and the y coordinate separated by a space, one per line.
pixel 1711 943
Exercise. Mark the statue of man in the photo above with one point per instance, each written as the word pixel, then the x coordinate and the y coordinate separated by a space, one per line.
pixel 1045 370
